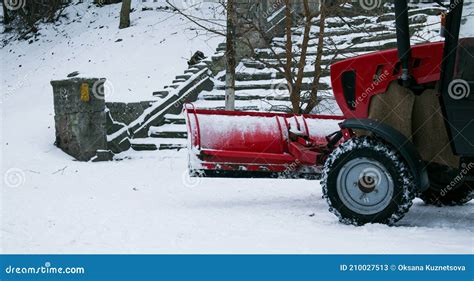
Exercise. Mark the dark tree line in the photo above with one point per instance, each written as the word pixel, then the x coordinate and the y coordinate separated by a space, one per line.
pixel 24 15
pixel 31 11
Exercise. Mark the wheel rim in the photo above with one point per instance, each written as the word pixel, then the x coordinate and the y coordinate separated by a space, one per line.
pixel 365 186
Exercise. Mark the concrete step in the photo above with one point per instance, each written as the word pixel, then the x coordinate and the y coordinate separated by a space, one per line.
pixel 249 63
pixel 173 86
pixel 144 147
pixel 256 76
pixel 327 60
pixel 222 47
pixel 268 85
pixel 281 53
pixel 338 23
pixel 243 96
pixel 200 65
pixel 357 39
pixel 174 119
pixel 150 144
pixel 169 135
pixel 260 104
pixel 170 131
pixel 341 29
pixel 192 70
pixel 365 34
pixel 184 76
pixel 170 146
pixel 216 58
pixel 258 67
pixel 371 33
pixel 387 18
pixel 237 108
pixel 178 81
pixel 161 94
pixel 238 97
pixel 381 37
pixel 347 31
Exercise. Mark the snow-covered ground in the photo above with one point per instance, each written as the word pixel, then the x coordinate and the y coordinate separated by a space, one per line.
pixel 50 203
pixel 149 205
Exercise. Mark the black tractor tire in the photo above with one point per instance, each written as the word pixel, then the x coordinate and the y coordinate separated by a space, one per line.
pixel 394 182
pixel 445 188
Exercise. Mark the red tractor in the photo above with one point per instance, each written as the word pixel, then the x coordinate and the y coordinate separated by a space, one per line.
pixel 407 129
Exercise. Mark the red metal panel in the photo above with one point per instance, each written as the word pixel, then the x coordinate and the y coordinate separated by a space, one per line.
pixel 304 154
pixel 257 141
pixel 240 157
pixel 426 68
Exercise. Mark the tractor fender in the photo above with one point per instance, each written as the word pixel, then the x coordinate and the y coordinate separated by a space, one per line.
pixel 404 146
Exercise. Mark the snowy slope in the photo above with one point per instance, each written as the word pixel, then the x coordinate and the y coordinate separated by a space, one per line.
pixel 138 60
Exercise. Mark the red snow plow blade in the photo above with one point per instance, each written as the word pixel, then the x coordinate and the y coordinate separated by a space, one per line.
pixel 257 141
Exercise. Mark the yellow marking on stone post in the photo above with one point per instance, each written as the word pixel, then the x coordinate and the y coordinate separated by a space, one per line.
pixel 85 96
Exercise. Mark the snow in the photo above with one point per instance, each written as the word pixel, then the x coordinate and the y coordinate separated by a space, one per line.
pixel 94 208
pixel 169 128
pixel 146 203
pixel 158 141
pixel 467 29
pixel 145 60
pixel 322 127
pixel 275 14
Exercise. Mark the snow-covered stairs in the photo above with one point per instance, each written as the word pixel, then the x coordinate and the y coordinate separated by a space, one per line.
pixel 171 131
pixel 171 135
pixel 261 88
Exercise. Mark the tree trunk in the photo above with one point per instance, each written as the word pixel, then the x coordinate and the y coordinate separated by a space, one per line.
pixel 313 98
pixel 230 57
pixel 295 99
pixel 125 14
pixel 296 91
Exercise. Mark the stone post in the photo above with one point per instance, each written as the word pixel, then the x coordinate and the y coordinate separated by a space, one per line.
pixel 80 117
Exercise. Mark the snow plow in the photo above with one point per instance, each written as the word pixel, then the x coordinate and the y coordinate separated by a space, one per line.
pixel 407 129
pixel 258 141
